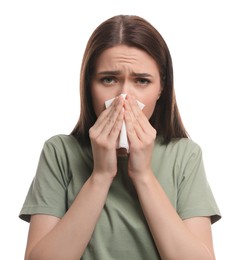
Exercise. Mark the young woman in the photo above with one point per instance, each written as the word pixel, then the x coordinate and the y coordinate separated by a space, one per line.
pixel 91 200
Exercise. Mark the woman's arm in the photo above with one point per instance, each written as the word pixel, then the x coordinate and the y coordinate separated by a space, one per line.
pixel 174 238
pixel 67 238
pixel 52 238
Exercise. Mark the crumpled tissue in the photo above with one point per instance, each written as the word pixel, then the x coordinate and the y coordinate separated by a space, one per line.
pixel 123 140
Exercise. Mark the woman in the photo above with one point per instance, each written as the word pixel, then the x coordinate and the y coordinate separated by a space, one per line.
pixel 90 200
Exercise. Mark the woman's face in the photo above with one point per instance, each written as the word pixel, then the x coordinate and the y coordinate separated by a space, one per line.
pixel 125 70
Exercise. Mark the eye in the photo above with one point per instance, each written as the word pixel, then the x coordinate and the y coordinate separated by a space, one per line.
pixel 143 81
pixel 108 80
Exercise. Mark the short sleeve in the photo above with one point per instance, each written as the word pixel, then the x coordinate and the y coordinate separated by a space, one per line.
pixel 48 190
pixel 195 197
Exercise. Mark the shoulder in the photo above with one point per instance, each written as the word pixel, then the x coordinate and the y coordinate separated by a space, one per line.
pixel 186 145
pixel 67 146
pixel 180 146
pixel 177 152
pixel 63 142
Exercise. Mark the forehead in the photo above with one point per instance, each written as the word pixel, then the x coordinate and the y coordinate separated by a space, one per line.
pixel 125 56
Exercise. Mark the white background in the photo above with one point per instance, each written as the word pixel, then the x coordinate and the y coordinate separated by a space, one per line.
pixel 41 46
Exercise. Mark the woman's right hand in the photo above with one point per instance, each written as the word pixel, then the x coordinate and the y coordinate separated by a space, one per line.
pixel 104 137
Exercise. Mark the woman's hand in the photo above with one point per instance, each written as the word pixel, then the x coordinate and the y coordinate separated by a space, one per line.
pixel 104 136
pixel 141 136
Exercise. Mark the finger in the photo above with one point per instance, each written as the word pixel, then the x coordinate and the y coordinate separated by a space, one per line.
pixel 134 118
pixel 131 132
pixel 113 118
pixel 106 113
pixel 103 119
pixel 139 116
pixel 117 126
pixel 142 126
pixel 137 113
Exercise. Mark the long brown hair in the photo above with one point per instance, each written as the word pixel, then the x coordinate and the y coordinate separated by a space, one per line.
pixel 136 32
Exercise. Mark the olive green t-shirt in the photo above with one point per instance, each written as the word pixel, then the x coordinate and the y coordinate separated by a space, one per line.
pixel 122 231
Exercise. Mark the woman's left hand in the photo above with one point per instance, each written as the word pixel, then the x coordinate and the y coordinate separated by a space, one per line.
pixel 141 136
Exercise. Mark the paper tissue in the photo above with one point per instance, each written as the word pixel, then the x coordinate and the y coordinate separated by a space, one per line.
pixel 123 140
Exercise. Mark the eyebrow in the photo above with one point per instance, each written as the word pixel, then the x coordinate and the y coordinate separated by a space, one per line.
pixel 118 72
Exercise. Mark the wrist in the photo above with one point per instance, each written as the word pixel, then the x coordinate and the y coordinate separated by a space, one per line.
pixel 142 177
pixel 102 178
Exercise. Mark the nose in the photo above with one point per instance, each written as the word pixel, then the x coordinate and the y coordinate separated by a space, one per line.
pixel 126 88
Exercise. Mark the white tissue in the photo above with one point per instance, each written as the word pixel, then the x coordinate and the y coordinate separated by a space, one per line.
pixel 123 140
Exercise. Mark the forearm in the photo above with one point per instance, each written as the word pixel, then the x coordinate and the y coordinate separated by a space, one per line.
pixel 69 238
pixel 172 238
